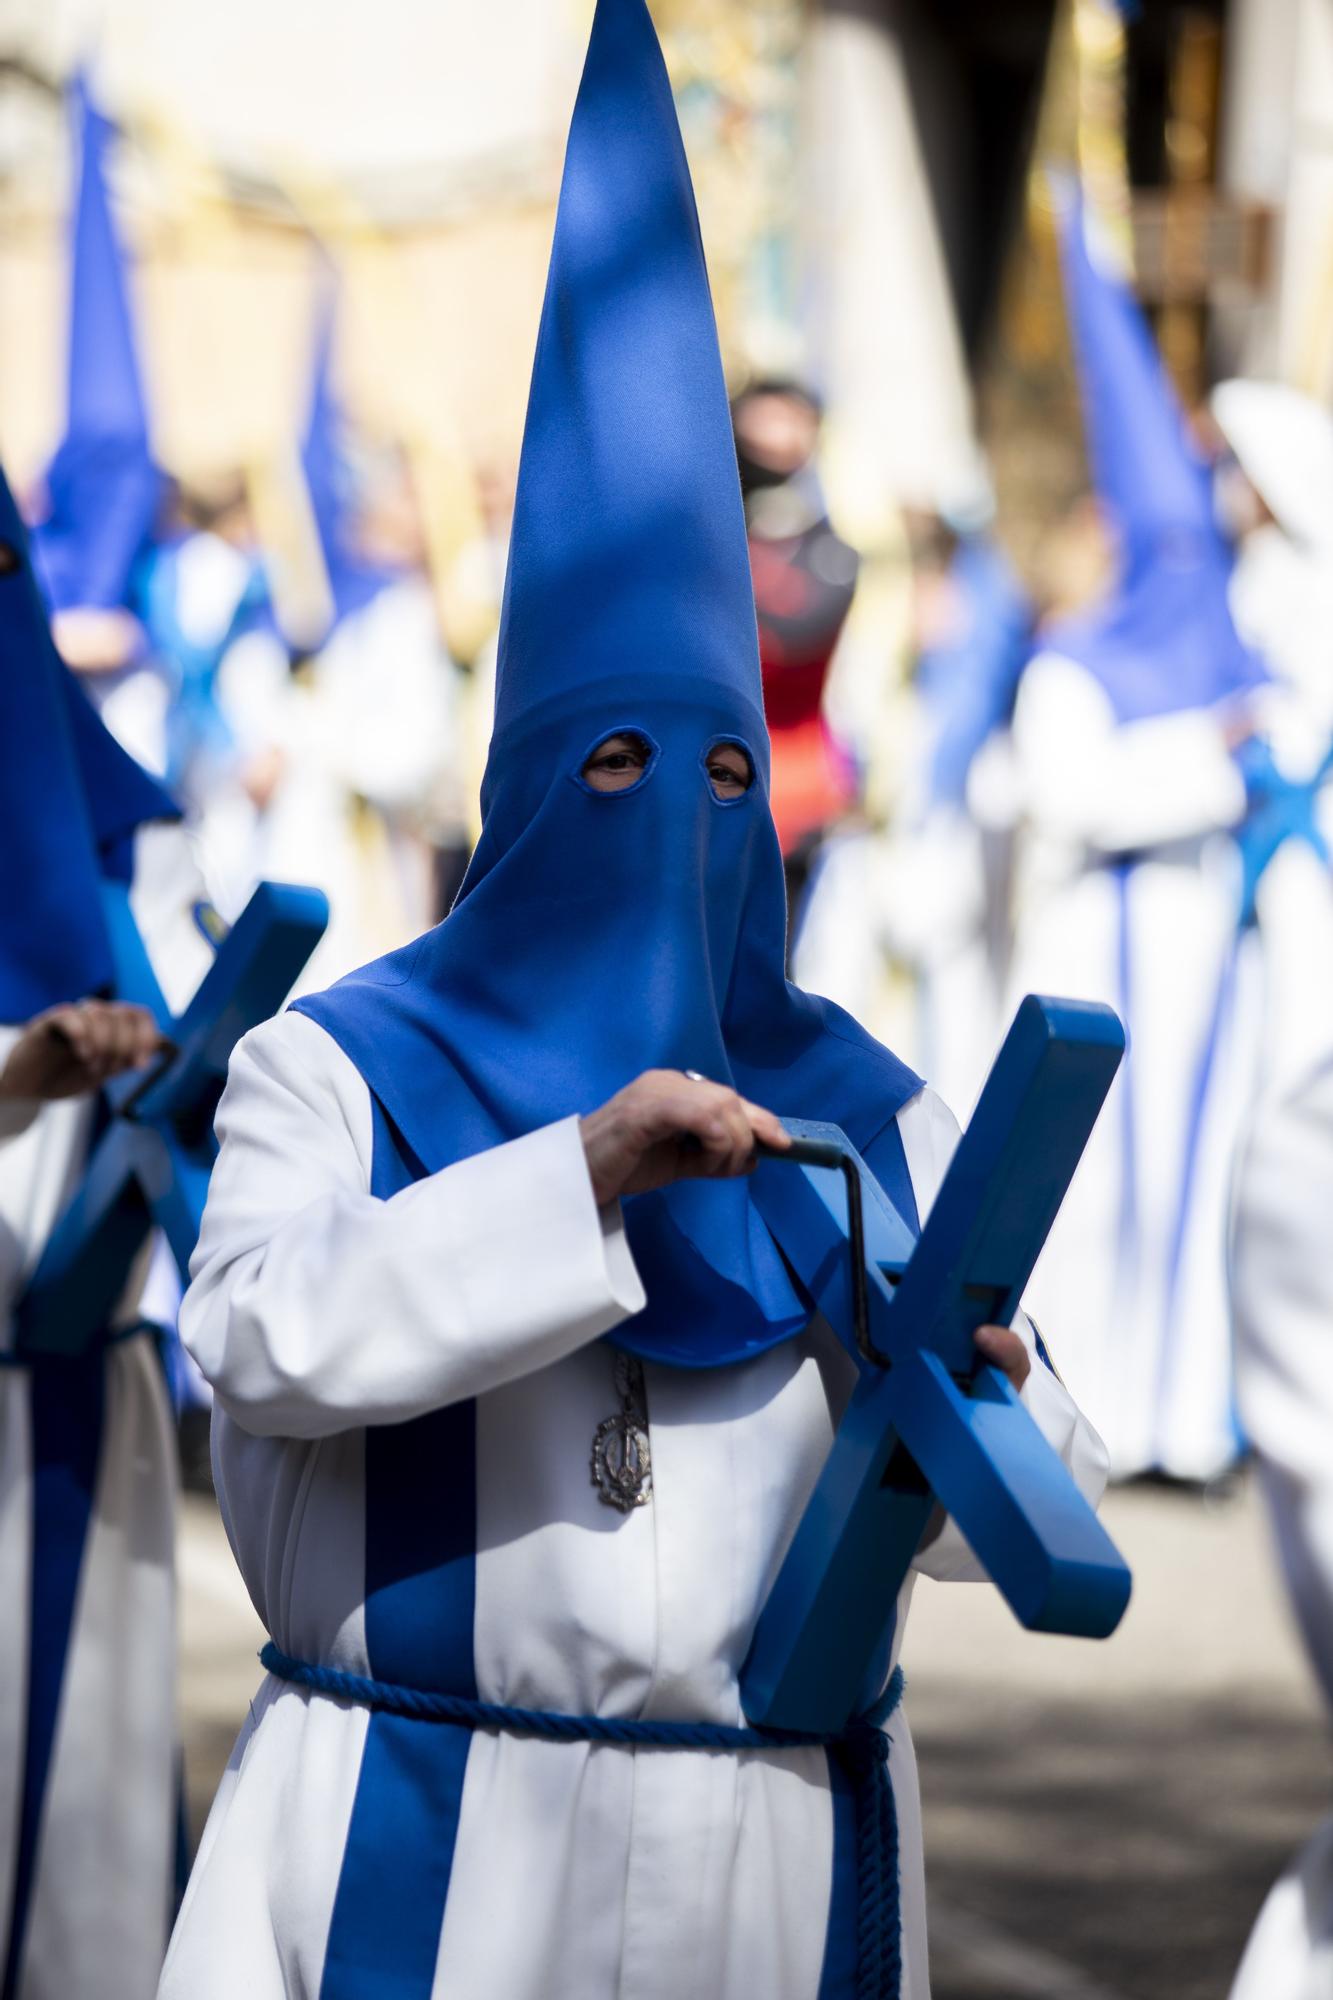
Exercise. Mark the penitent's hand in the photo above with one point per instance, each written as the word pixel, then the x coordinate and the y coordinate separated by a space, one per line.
pixel 666 1126
pixel 1003 1347
pixel 69 1050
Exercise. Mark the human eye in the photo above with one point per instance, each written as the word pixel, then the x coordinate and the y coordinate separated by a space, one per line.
pixel 730 772
pixel 616 763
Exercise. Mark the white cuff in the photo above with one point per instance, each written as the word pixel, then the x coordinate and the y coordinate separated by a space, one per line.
pixel 539 1267
pixel 1064 1426
pixel 622 1275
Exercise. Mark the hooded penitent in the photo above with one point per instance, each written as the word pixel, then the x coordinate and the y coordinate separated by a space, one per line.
pixel 1162 640
pixel 70 800
pixel 353 581
pixel 599 935
pixel 103 488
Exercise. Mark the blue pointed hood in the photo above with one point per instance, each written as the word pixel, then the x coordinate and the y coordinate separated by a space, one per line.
pixel 600 935
pixel 629 549
pixel 353 582
pixel 70 800
pixel 1162 640
pixel 103 488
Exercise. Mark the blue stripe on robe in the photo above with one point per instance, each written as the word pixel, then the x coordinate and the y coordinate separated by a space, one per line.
pixel 839 1979
pixel 420 1555
pixel 67 1401
pixel 1127 1239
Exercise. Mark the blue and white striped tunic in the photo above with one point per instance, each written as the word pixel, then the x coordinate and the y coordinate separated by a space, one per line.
pixel 407 1382
pixel 89 1766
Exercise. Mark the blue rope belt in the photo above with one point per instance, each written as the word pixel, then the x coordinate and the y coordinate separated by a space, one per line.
pixel 862 1748
pixel 12 1358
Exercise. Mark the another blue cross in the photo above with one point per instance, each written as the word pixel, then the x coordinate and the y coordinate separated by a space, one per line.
pixel 928 1421
pixel 1278 809
pixel 152 1163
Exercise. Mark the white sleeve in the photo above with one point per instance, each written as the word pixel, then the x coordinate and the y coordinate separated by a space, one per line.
pixel 316 1307
pixel 929 1134
pixel 1115 786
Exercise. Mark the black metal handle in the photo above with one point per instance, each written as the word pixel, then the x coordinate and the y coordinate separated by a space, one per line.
pixel 821 1153
pixel 157 1068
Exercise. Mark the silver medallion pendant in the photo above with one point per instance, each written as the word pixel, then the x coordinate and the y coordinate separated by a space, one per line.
pixel 622 1460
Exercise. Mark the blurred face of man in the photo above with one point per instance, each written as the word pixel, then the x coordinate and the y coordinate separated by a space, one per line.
pixel 776 433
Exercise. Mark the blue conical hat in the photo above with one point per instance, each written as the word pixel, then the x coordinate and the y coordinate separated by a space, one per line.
pixel 629 550
pixel 353 581
pixel 1163 639
pixel 1147 469
pixel 103 486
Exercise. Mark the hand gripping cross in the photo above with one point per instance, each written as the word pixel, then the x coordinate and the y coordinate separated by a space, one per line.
pixel 152 1162
pixel 929 1421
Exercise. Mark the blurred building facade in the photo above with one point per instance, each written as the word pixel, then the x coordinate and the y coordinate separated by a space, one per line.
pixel 1276 150
pixel 865 181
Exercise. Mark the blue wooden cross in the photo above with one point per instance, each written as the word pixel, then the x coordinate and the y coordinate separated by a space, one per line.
pixel 928 1421
pixel 152 1163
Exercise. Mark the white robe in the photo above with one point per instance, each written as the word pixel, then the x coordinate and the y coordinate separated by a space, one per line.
pixel 1283 1297
pixel 1282 599
pixel 908 926
pixel 896 929
pixel 105 1863
pixel 1147 1354
pixel 579 1873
